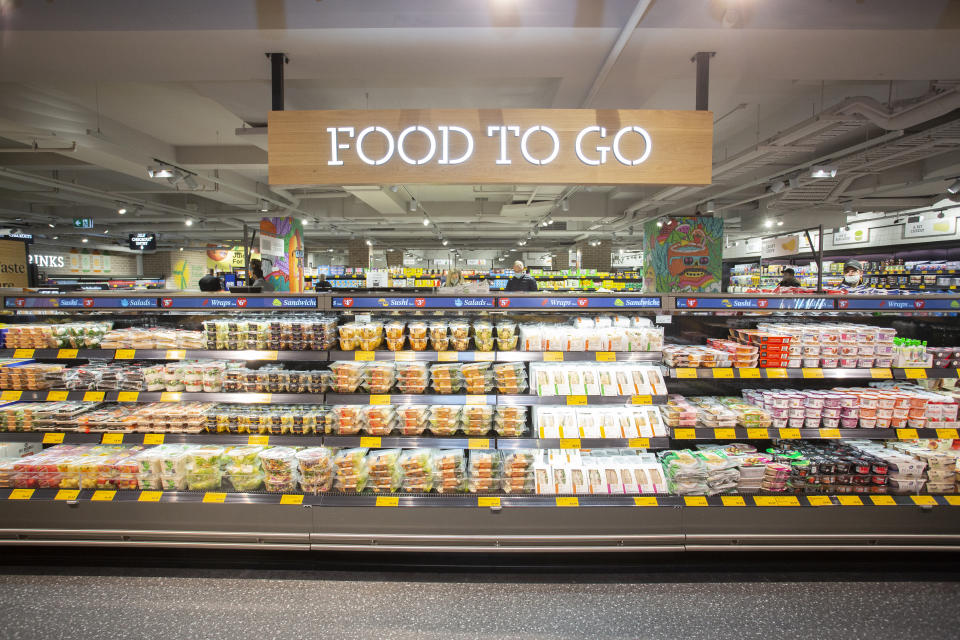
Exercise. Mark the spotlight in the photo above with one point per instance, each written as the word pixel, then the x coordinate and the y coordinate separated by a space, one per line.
pixel 159 171
pixel 779 223
pixel 395 188
pixel 659 223
pixel 412 206
pixel 426 221
pixel 85 240
pixel 939 215
pixel 181 248
pixel 564 205
pixel 122 210
pixel 188 222
pixel 56 237
pixel 51 225
pixel 263 206
pixel 369 243
pixel 776 186
pixel 550 220
pixel 710 207
pixel 445 242
pixel 823 171
pixel 955 187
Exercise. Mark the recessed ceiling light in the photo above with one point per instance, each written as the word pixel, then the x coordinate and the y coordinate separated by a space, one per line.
pixel 159 171
pixel 85 240
pixel 823 171
pixel 768 223
pixel 122 210
pixel 426 221
pixel 188 222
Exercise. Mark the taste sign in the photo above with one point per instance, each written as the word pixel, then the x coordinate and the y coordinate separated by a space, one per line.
pixel 464 146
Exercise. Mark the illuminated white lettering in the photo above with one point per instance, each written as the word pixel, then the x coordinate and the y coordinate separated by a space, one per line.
pixel 648 145
pixel 366 159
pixel 403 136
pixel 526 137
pixel 602 150
pixel 493 130
pixel 445 145
pixel 335 146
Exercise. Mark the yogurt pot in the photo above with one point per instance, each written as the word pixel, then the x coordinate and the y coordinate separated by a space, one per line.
pixel 867 413
pixel 811 363
pixel 917 423
pixel 798 413
pixel 865 363
pixel 882 349
pixel 832 400
pixel 883 423
pixel 831 412
pixel 779 423
pixel 901 414
pixel 885 414
pixel 886 334
pixel 849 412
pixel 793 363
pixel 867 423
pixel 814 402
pixel 830 363
pixel 849 401
pixel 795 401
pixel 886 402
pixel 849 423
pixel 812 423
pixel 849 334
pixel 849 349
pixel 779 412
pixel 810 350
pixel 866 335
pixel 796 423
pixel 848 363
pixel 829 349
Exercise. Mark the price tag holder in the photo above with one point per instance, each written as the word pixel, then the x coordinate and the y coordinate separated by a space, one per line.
pixel 214 497
pixel 553 356
pixel 883 501
pixel 820 501
pixel 924 501
pixel 639 443
pixel 733 501
pixel 569 443
pixel 478 443
pixel 481 356
pixel 830 433
pixel 57 396
pixel 915 374
pixel 789 434
pixel 749 373
pixel 695 501
pixel 153 438
pixel 907 434
pixel 268 355
pixel 170 396
pixel 850 501
pixel 685 372
pixel 67 354
pixel 53 438
pixel 175 354
pixel 388 501
pixel 641 400
pixel 776 374
pixel 291 498
pixel 447 356
pixel 67 494
pixel 725 434
pixel 724 372
pixel 21 494
pixel 23 353
pixel 812 374
pixel 364 356
pixel 758 434
pixel 606 356
pixel 124 354
pixel 953 501
pixel 881 374
pixel 10 396
pixel 112 438
pixel 264 440
pixel 488 501
pixel 128 396
pixel 765 501
pixel 568 502
pixel 380 399
pixel 577 401
pixel 947 434
pixel 372 442
pixel 684 434
pixel 647 501
pixel 94 396
pixel 103 496
pixel 788 501
pixel 474 400
pixel 403 356
pixel 150 496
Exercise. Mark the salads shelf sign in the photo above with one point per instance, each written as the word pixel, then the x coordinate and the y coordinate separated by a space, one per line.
pixel 500 146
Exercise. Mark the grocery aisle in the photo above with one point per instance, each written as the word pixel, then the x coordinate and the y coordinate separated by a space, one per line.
pixel 691 598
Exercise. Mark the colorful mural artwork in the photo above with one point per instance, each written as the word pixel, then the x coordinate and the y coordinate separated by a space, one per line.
pixel 286 270
pixel 684 255
pixel 225 259
pixel 181 274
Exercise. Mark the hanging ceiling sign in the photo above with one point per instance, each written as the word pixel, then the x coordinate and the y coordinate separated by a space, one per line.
pixel 933 226
pixel 505 146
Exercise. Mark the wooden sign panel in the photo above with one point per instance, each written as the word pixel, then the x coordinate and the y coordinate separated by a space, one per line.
pixel 13 264
pixel 506 146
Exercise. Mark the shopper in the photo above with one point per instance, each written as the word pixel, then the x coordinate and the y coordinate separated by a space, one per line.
pixel 210 282
pixel 521 280
pixel 852 274
pixel 454 282
pixel 323 284
pixel 789 278
pixel 258 279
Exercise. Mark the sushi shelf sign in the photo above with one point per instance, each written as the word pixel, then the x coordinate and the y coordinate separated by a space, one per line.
pixel 505 146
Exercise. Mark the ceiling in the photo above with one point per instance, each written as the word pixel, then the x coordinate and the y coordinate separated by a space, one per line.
pixel 94 91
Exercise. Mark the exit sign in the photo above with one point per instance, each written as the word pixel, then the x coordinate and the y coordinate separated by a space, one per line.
pixel 83 223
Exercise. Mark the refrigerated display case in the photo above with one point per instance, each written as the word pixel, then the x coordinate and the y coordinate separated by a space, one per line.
pixel 254 501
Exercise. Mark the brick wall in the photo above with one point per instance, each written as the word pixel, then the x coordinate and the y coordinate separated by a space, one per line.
pixel 121 264
pixel 196 262
pixel 394 259
pixel 358 254
pixel 156 264
pixel 595 257
pixel 561 260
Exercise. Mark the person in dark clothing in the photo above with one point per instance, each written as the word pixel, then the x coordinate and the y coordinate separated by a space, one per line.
pixel 323 284
pixel 210 282
pixel 521 281
pixel 789 279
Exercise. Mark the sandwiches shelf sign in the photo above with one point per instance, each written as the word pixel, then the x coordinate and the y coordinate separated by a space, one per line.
pixel 412 303
pixel 505 146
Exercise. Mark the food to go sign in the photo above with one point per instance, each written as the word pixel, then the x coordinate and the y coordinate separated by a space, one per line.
pixel 510 146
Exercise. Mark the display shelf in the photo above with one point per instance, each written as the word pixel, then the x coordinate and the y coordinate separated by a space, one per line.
pixel 583 443
pixel 544 401
pixel 681 433
pixel 815 373
pixel 54 395
pixel 165 354
pixel 414 356
pixel 578 356
pixel 399 399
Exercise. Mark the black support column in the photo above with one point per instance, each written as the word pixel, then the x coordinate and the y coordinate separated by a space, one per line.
pixel 277 60
pixel 702 58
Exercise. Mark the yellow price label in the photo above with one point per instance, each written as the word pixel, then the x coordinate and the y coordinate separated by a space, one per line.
pixel 268 355
pixel 52 438
pixel 57 396
pixel 388 501
pixel 478 443
pixel 685 372
pixel 67 494
pixel 695 501
pixel 577 400
pixel 907 434
pixel 723 372
pixel 850 501
pixel 364 356
pixel 474 400
pixel 647 501
pixel 291 498
pixel 403 356
pixel 103 496
pixel 370 441
pixel 820 501
pixel 947 434
pixel 725 434
pixel 883 501
pixel 606 356
pixel 256 398
pixel 568 502
pixel 112 438
pixel 153 438
pixel 733 501
pixel 21 494
pixel 128 396
pixel 23 353
pixel 915 374
pixel 176 354
pixel 881 374
pixel 953 500
pixel 684 434
pixel 380 399
pixel 830 433
pixel 639 443
pixel 447 356
pixel 749 372
pixel 124 354
pixel 765 501
pixel 757 434
pixel 67 354
pixel 263 440
pixel 215 497
pixel 776 374
pixel 150 496
pixel 789 434
pixel 480 356
pixel 641 400
pixel 812 373
pixel 924 500
pixel 170 396
pixel 569 443
pixel 788 501
pixel 553 356
pixel 10 396
pixel 488 501
pixel 94 396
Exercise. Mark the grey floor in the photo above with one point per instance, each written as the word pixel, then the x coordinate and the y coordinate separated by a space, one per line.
pixel 47 602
